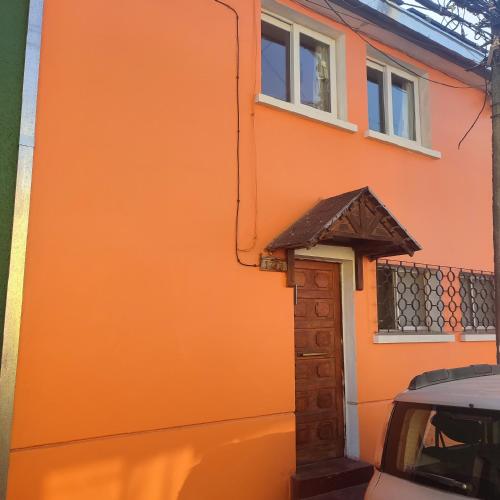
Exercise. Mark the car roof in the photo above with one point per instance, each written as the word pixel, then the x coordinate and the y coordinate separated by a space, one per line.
pixel 480 392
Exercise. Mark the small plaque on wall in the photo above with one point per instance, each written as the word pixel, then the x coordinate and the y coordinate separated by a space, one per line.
pixel 268 263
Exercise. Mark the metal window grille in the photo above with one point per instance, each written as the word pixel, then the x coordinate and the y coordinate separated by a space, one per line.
pixel 414 297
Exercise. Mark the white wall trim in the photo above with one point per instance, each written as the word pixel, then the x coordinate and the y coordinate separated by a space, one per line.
pixel 478 337
pixel 306 112
pixel 412 338
pixel 403 143
pixel 345 257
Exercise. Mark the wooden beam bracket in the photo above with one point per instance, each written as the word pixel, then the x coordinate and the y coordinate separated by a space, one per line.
pixel 358 270
pixel 290 272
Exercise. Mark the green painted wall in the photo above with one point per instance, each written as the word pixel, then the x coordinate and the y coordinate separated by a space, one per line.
pixel 13 26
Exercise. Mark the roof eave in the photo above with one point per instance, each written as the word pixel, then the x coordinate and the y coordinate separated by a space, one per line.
pixel 407 22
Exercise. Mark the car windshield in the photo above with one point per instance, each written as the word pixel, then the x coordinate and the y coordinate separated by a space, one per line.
pixel 453 449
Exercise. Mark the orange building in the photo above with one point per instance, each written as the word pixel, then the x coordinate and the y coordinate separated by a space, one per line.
pixel 201 292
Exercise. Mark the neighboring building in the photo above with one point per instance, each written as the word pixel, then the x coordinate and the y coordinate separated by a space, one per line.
pixel 13 24
pixel 155 362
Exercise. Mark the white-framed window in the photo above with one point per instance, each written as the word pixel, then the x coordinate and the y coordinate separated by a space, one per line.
pixel 299 70
pixel 393 102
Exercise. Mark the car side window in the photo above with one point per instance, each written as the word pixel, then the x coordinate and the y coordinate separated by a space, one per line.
pixel 452 449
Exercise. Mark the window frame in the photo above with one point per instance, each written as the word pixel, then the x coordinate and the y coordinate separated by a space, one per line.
pixel 468 276
pixel 285 27
pixel 295 103
pixel 399 312
pixel 387 72
pixel 396 295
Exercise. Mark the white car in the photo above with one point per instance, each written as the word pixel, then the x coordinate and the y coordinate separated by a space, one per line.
pixel 443 438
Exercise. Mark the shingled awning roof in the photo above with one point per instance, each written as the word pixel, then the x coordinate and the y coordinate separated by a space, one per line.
pixel 357 219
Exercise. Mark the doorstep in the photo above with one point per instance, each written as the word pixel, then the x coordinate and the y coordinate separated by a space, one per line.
pixel 351 493
pixel 328 476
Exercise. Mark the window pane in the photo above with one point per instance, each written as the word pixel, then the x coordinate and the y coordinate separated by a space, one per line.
pixel 434 305
pixel 314 73
pixel 450 449
pixel 376 112
pixel 483 297
pixel 386 306
pixel 403 107
pixel 478 300
pixel 410 298
pixel 466 300
pixel 275 61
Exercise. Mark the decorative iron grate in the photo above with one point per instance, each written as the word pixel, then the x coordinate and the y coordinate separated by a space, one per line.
pixel 415 297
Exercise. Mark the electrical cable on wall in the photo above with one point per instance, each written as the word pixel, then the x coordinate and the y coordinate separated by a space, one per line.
pixel 238 183
pixel 478 115
pixel 252 245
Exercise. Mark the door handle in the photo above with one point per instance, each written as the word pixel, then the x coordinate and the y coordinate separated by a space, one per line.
pixel 311 354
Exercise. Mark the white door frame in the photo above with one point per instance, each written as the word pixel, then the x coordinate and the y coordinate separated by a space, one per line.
pixel 345 257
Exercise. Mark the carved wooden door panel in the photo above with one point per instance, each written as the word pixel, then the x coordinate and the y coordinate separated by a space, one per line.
pixel 319 394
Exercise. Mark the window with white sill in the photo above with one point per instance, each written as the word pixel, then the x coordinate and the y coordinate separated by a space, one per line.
pixel 477 292
pixel 298 69
pixel 409 298
pixel 415 297
pixel 393 102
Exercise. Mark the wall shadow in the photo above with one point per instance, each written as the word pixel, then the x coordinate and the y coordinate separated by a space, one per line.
pixel 243 470
pixel 239 462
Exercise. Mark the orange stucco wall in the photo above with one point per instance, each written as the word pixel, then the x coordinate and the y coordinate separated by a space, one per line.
pixel 150 361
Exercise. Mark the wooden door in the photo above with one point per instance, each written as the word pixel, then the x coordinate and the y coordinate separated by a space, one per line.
pixel 319 394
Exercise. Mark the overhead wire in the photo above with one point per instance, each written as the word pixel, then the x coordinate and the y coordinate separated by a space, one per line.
pixel 409 70
pixel 470 47
pixel 366 22
pixel 453 17
pixel 358 33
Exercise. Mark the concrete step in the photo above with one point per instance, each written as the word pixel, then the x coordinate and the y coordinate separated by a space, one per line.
pixel 328 476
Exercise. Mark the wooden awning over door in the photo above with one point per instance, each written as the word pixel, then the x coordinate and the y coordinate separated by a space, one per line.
pixel 357 219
